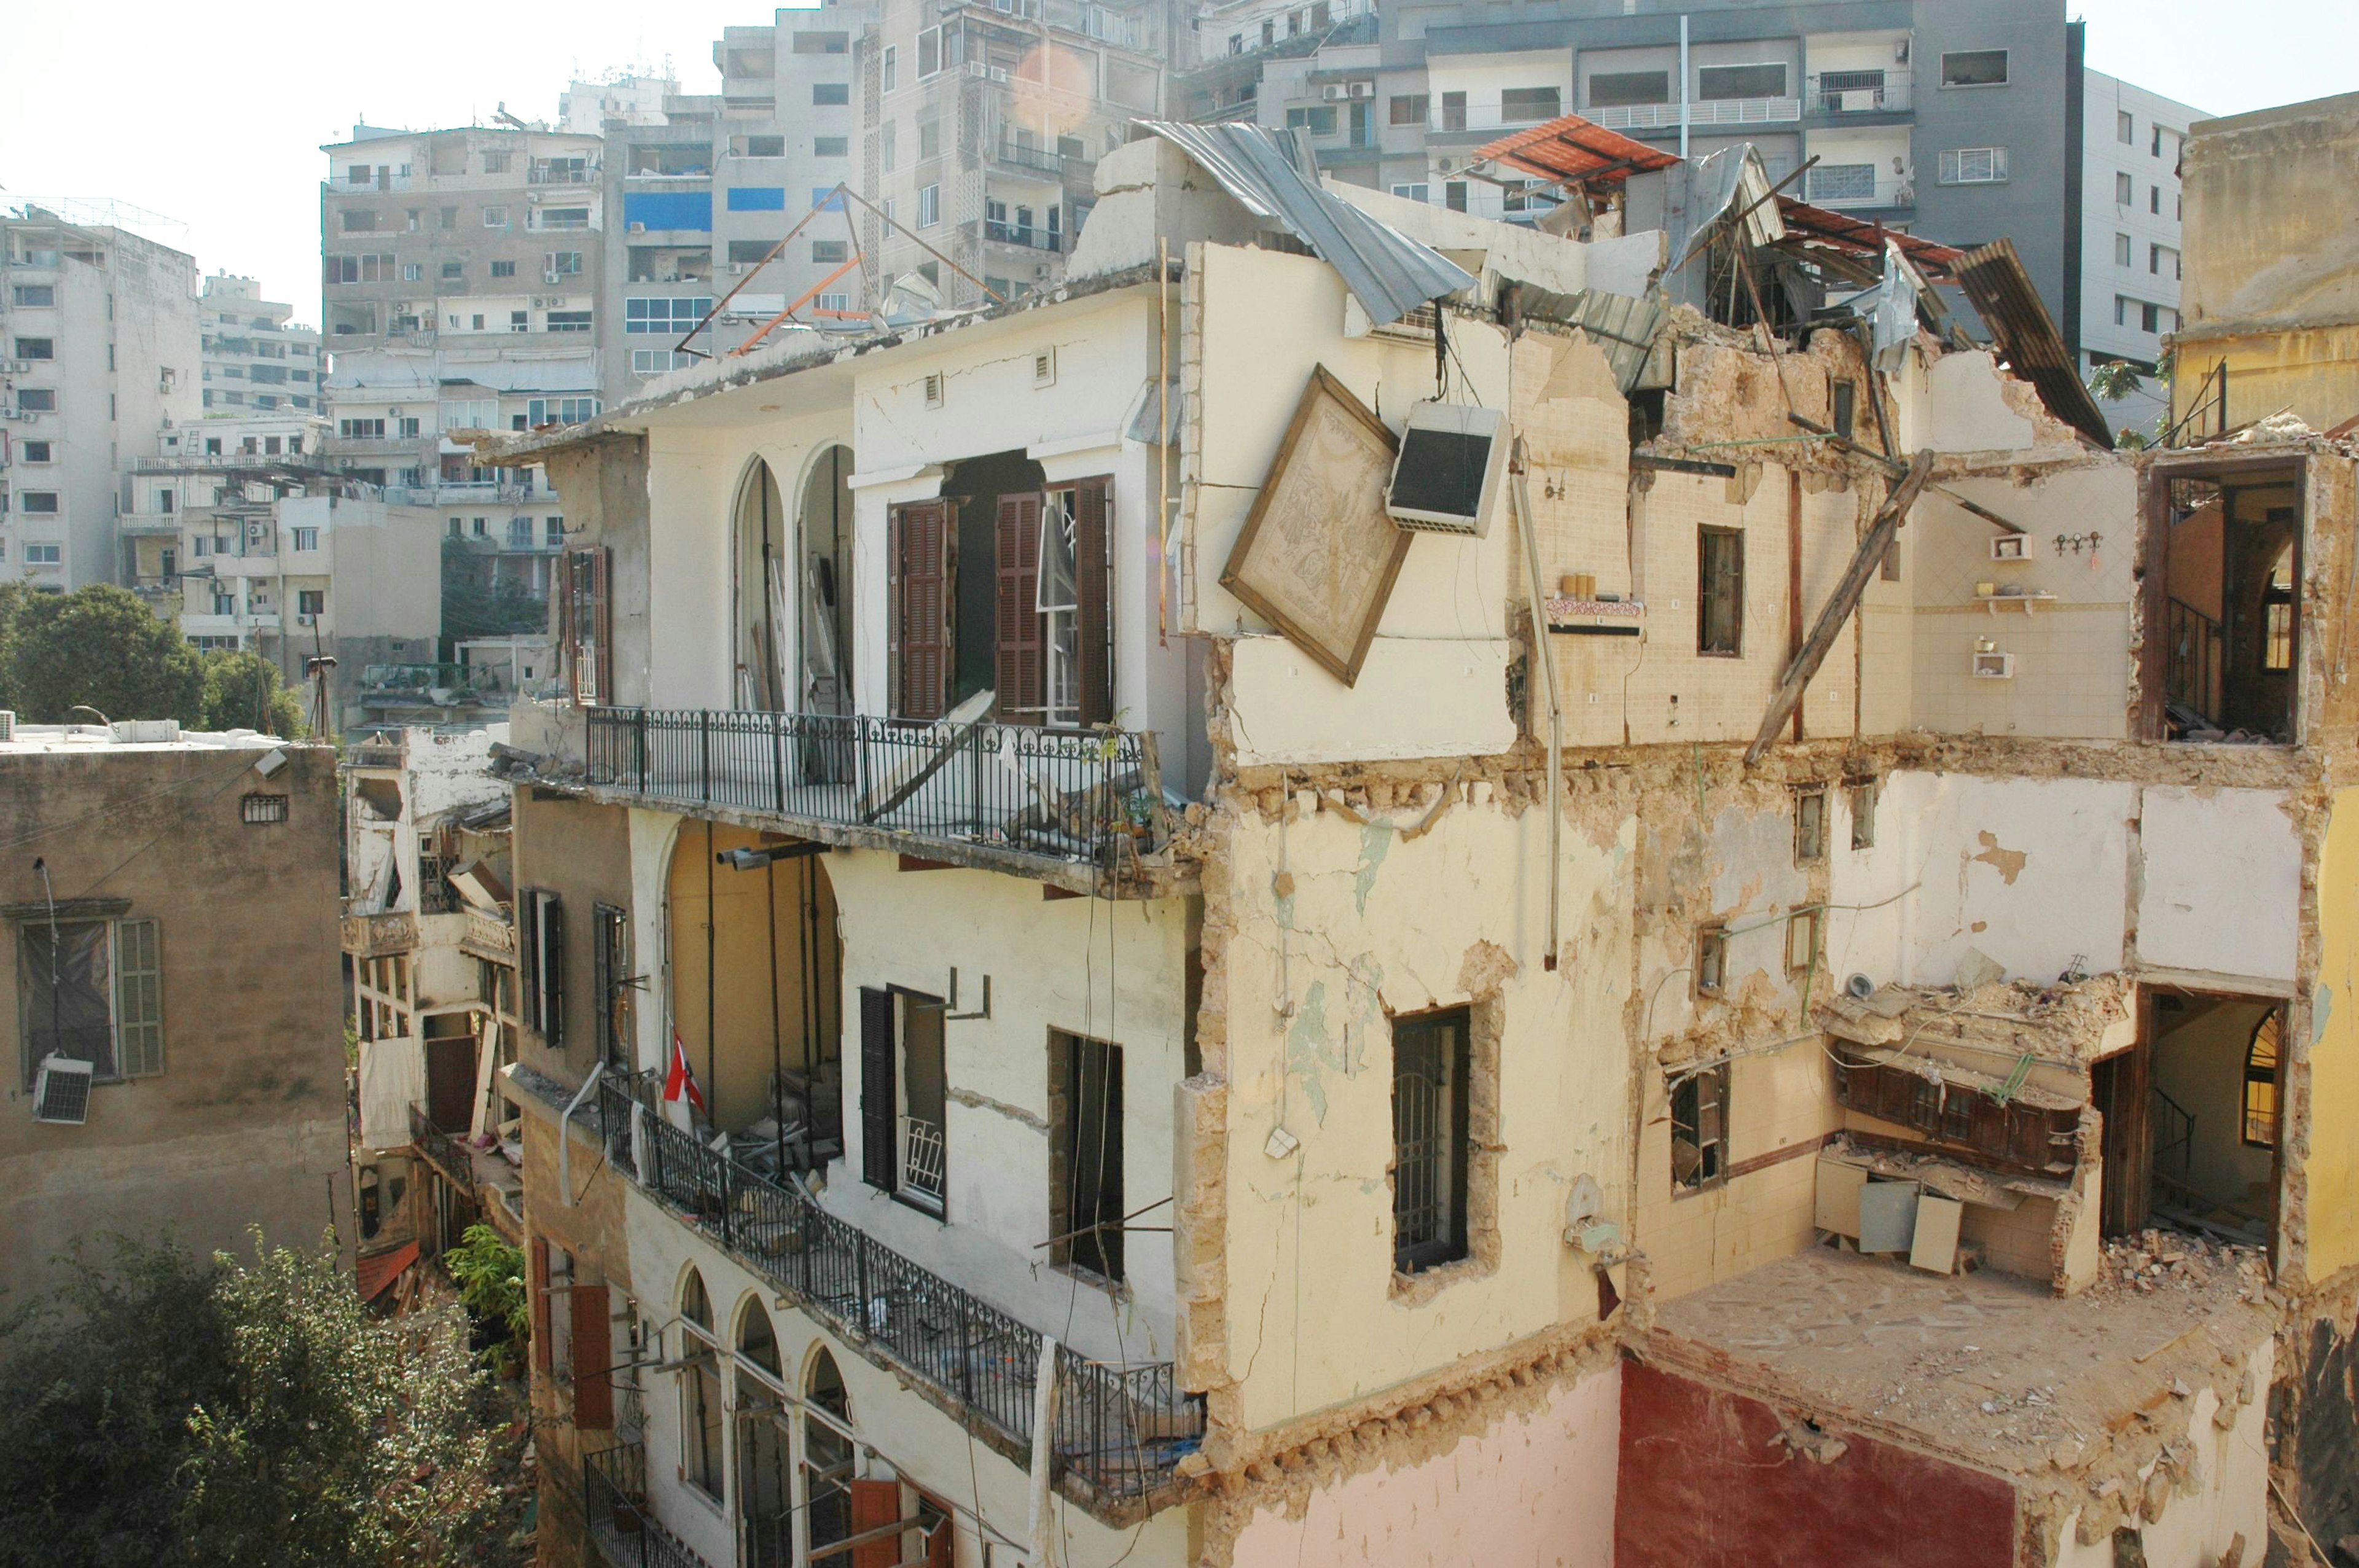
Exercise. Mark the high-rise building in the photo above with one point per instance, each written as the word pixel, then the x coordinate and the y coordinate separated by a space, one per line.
pixel 707 193
pixel 462 271
pixel 2129 210
pixel 98 350
pixel 636 98
pixel 980 126
pixel 255 358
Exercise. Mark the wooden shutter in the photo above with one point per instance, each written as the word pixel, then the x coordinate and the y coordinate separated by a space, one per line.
pixel 877 1088
pixel 552 972
pixel 874 1505
pixel 538 1285
pixel 594 1380
pixel 1093 570
pixel 602 985
pixel 920 600
pixel 1020 670
pixel 602 621
pixel 586 624
pixel 527 917
pixel 138 1000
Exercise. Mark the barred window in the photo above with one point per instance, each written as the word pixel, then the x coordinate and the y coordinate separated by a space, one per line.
pixel 1431 1073
pixel 261 810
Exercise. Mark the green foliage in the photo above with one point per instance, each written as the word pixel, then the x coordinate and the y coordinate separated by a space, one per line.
pixel 477 605
pixel 99 646
pixel 2115 380
pixel 158 1410
pixel 491 1281
pixel 246 691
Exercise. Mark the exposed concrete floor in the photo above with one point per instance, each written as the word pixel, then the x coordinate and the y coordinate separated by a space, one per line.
pixel 1987 1367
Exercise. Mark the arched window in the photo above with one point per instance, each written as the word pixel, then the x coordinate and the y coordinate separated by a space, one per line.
pixel 758 1343
pixel 829 1452
pixel 699 1389
pixel 2261 1083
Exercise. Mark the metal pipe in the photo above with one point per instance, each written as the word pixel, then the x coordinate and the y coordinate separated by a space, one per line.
pixel 1547 657
pixel 1683 86
pixel 565 1133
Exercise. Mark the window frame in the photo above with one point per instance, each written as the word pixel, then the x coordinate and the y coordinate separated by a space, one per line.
pixel 2005 68
pixel 1453 1242
pixel 1706 1090
pixel 2260 1073
pixel 146 932
pixel 1707 644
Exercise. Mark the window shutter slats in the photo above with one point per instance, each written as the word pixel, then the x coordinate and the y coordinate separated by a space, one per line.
pixel 920 608
pixel 138 999
pixel 593 1383
pixel 876 1097
pixel 1094 565
pixel 539 1285
pixel 1022 649
pixel 552 972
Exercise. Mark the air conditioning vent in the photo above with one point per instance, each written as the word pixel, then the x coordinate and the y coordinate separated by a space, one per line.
pixel 7 724
pixel 1447 475
pixel 934 390
pixel 1044 368
pixel 61 1092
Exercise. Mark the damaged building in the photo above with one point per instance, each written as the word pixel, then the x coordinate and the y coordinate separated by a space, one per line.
pixel 1372 886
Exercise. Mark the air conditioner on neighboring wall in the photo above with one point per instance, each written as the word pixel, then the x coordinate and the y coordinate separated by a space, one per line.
pixel 61 1092
pixel 1446 478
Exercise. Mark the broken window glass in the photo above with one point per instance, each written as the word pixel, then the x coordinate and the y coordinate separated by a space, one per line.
pixel 1699 1130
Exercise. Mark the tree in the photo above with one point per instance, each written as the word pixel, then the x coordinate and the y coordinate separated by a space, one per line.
pixel 491 1282
pixel 161 1411
pixel 246 691
pixel 98 647
pixel 2116 379
pixel 478 603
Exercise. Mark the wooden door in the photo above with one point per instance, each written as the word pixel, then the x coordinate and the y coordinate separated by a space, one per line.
pixel 450 1083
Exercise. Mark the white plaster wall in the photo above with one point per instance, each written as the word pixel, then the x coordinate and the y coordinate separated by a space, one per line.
pixel 1933 886
pixel 1748 862
pixel 1963 412
pixel 1537 1488
pixel 902 1435
pixel 2231 1495
pixel 2222 888
pixel 1376 926
pixel 1268 319
pixel 1113 972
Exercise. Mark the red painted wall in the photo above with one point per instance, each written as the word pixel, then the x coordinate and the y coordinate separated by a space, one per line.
pixel 1704 1486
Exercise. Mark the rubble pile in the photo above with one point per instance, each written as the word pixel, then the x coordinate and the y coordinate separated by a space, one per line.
pixel 2171 1259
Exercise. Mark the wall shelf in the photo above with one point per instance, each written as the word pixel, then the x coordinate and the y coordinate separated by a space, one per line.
pixel 1993 600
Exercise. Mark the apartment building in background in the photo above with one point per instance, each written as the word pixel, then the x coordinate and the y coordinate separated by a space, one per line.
pixel 2131 219
pixel 169 993
pixel 979 125
pixel 2272 292
pixel 189 501
pixel 707 190
pixel 633 97
pixel 1088 998
pixel 98 349
pixel 256 359
pixel 461 289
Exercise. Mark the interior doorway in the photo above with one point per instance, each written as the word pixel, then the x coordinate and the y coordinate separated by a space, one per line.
pixel 824 647
pixel 760 588
pixel 2194 1118
pixel 2232 628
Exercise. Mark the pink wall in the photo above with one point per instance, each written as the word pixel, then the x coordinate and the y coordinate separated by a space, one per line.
pixel 1534 1488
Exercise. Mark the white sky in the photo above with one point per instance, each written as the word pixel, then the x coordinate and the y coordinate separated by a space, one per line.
pixel 219 126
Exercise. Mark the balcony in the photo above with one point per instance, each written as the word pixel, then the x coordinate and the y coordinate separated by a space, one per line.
pixel 1032 797
pixel 1854 94
pixel 1703 112
pixel 1031 159
pixel 1849 186
pixel 148 524
pixel 540 175
pixel 376 935
pixel 1120 1430
pixel 441 1150
pixel 1026 234
pixel 615 1506
pixel 429 686
pixel 490 936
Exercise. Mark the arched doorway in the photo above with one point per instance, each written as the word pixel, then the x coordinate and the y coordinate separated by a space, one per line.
pixel 760 615
pixel 830 1454
pixel 823 674
pixel 764 1461
pixel 756 987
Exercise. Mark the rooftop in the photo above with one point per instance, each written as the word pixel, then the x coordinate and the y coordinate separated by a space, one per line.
pixel 1989 1368
pixel 130 735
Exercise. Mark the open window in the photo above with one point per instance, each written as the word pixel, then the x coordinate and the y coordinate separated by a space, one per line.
pixel 1086 1194
pixel 1432 1095
pixel 904 1096
pixel 1005 585
pixel 1699 1129
pixel 699 1391
pixel 2225 631
pixel 90 1005
pixel 588 636
pixel 2192 1118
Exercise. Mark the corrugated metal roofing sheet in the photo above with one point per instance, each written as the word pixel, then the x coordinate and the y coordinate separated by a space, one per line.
pixel 1817 225
pixel 1390 274
pixel 2002 294
pixel 1625 328
pixel 1728 182
pixel 1570 148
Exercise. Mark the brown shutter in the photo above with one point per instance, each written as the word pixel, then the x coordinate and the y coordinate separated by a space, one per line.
pixel 594 1380
pixel 538 1285
pixel 875 1504
pixel 879 1108
pixel 603 623
pixel 920 608
pixel 1094 567
pixel 1022 651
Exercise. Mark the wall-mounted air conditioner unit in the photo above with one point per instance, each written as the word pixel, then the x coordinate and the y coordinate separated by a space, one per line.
pixel 737 269
pixel 1447 475
pixel 551 275
pixel 638 228
pixel 61 1092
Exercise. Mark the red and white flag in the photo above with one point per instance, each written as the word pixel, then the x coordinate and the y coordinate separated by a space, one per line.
pixel 678 1078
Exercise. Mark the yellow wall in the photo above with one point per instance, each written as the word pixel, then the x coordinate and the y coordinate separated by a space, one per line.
pixel 2322 1165
pixel 2314 372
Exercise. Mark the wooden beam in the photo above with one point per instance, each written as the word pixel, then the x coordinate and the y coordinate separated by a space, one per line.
pixel 1881 532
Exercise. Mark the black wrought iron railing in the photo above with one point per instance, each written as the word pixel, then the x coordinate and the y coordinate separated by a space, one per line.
pixel 614 1506
pixel 1064 794
pixel 2192 657
pixel 1026 234
pixel 1123 1427
pixel 441 1149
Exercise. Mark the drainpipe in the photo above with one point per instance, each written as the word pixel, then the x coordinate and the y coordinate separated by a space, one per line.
pixel 1683 86
pixel 565 1133
pixel 1042 1523
pixel 1546 656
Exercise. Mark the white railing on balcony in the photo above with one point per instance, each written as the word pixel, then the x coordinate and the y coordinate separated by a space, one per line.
pixel 1857 185
pixel 1858 92
pixel 1703 112
pixel 922 1161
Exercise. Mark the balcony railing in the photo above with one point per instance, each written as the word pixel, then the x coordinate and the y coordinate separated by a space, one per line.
pixel 615 1506
pixel 1122 1429
pixel 1858 93
pixel 441 1150
pixel 372 935
pixel 1027 234
pixel 1062 795
pixel 1857 185
pixel 1703 112
pixel 1031 156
